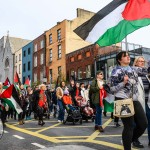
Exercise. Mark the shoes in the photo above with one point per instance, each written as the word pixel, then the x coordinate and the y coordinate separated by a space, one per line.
pixel 42 123
pixel 137 144
pixel 104 113
pixel 117 124
pixel 100 128
pixel 20 122
pixel 59 121
pixel 112 116
pixel 96 127
pixel 149 144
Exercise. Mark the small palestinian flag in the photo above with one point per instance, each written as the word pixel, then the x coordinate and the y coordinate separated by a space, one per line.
pixel 10 97
pixel 6 84
pixel 115 21
pixel 17 79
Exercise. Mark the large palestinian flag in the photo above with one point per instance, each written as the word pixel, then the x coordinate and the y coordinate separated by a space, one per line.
pixel 115 21
pixel 10 97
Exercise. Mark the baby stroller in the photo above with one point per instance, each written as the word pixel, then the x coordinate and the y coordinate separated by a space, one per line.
pixel 73 112
pixel 86 111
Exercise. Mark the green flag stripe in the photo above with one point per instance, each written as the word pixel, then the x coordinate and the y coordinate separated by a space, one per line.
pixel 120 31
pixel 9 103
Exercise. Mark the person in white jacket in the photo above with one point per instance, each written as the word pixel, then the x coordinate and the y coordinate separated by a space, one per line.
pixel 144 90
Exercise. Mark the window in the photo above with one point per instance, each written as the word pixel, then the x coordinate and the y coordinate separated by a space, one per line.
pixel 72 73
pixel 24 67
pixel 29 51
pixel 24 53
pixel 50 39
pixel 35 77
pixel 72 59
pixel 51 75
pixel 29 66
pixel 59 51
pixel 19 57
pixel 58 34
pixel 19 68
pixel 24 79
pixel 88 54
pixel 42 44
pixel 35 61
pixel 42 59
pixel 79 57
pixel 35 48
pixel 59 70
pixel 41 75
pixel 50 55
pixel 16 59
pixel 29 77
pixel 79 73
pixel 88 71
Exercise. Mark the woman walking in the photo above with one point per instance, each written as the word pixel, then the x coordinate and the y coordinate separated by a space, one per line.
pixel 124 80
pixel 144 90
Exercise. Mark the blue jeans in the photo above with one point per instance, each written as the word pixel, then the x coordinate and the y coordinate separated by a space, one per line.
pixel 148 119
pixel 61 112
pixel 98 117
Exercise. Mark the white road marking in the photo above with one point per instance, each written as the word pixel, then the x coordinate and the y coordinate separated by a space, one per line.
pixel 19 137
pixel 38 145
pixel 6 131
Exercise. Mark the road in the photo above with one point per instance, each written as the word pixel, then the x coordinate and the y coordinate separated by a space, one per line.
pixel 54 135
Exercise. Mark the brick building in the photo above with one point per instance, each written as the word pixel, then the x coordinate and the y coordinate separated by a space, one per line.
pixel 61 40
pixel 39 63
pixel 80 64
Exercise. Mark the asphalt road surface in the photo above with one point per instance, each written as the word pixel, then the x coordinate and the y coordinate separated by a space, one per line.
pixel 57 136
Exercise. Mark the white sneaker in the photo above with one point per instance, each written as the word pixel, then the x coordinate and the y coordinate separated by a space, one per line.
pixel 59 121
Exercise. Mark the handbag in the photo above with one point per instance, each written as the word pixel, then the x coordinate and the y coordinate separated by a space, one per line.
pixel 124 108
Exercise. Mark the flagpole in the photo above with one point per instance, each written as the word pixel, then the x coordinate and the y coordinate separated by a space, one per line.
pixel 126 44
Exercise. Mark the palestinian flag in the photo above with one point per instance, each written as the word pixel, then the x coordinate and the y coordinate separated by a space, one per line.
pixel 17 79
pixel 11 98
pixel 27 82
pixel 115 21
pixel 6 84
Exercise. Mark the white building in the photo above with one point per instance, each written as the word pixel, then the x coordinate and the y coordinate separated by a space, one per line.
pixel 8 47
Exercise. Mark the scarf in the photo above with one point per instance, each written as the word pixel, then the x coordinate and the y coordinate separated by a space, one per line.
pixel 102 94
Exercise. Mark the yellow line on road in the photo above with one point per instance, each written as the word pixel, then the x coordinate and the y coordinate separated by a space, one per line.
pixel 96 133
pixel 75 127
pixel 107 144
pixel 44 137
pixel 112 145
pixel 48 128
pixel 71 137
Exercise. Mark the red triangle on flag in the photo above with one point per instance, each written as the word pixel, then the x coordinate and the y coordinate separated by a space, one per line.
pixel 7 82
pixel 8 92
pixel 27 82
pixel 16 78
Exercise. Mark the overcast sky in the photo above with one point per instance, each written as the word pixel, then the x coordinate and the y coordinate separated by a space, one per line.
pixel 30 18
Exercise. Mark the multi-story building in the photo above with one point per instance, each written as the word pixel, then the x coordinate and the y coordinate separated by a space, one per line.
pixel 39 61
pixel 27 61
pixel 8 47
pixel 61 40
pixel 80 64
pixel 18 63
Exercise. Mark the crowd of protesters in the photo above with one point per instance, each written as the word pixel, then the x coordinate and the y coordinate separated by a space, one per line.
pixel 41 99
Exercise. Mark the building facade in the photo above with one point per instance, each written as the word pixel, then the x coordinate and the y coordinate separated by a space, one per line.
pixel 27 61
pixel 80 64
pixel 18 63
pixel 39 61
pixel 61 40
pixel 8 47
